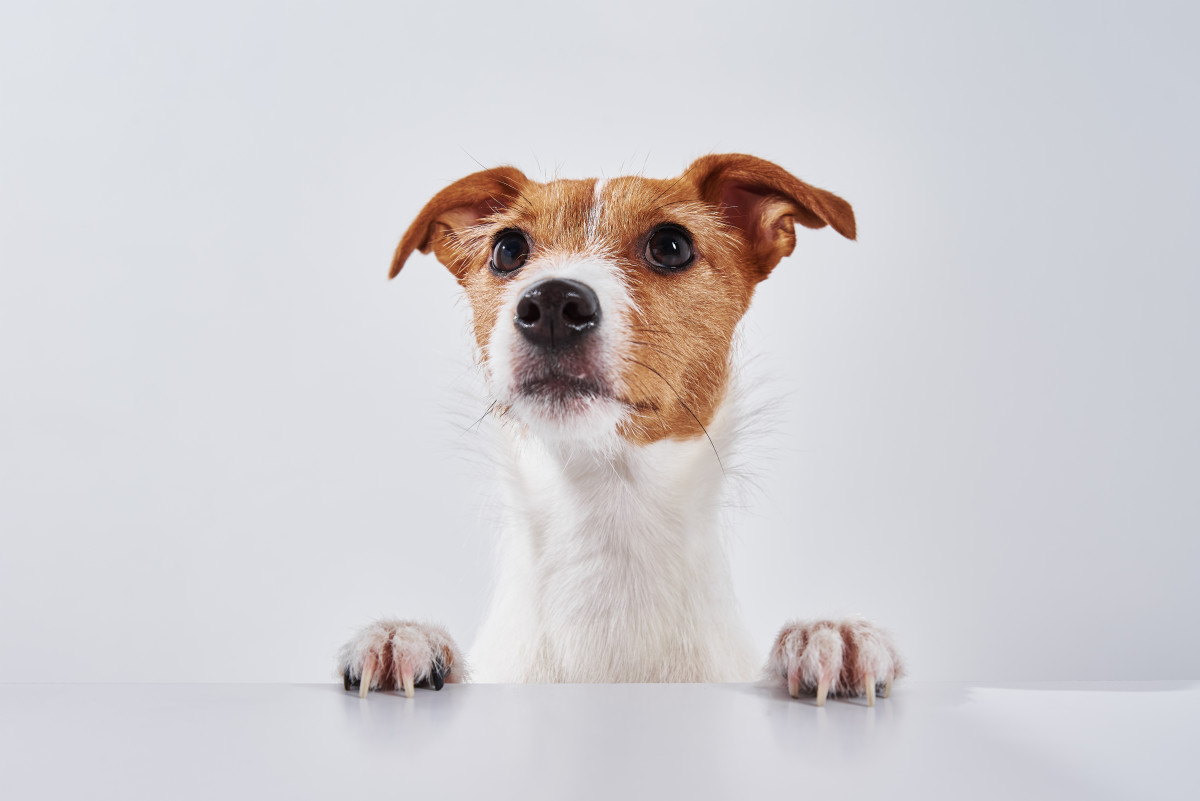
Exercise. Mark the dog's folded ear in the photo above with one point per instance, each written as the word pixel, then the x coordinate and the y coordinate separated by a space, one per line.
pixel 764 201
pixel 460 205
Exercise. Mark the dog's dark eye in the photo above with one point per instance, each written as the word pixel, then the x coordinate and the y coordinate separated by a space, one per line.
pixel 509 252
pixel 669 248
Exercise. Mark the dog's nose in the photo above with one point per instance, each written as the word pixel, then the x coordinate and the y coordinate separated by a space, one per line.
pixel 557 313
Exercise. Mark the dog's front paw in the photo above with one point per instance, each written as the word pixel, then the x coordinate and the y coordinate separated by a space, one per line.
pixel 398 653
pixel 843 657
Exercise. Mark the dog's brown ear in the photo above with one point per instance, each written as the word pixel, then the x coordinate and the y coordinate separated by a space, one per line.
pixel 461 204
pixel 765 201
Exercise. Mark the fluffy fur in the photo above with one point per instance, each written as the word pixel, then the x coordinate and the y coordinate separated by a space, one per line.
pixel 612 567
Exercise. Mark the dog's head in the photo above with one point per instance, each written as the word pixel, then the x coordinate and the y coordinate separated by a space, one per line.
pixel 607 307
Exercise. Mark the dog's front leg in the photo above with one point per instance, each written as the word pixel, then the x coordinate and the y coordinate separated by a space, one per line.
pixel 842 657
pixel 390 654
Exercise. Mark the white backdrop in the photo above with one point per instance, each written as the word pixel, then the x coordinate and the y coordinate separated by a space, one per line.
pixel 226 440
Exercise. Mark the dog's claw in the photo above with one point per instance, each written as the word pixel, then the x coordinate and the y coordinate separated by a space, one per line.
pixel 794 683
pixel 869 686
pixel 368 672
pixel 823 689
pixel 407 677
pixel 887 688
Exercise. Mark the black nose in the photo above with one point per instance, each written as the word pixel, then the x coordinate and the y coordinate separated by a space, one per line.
pixel 557 313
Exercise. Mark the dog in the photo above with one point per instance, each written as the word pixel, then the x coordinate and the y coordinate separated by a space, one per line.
pixel 604 313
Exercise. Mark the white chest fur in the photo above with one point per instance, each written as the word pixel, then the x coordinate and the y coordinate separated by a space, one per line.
pixel 612 568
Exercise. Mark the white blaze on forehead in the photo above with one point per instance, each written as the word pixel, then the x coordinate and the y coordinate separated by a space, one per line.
pixel 593 221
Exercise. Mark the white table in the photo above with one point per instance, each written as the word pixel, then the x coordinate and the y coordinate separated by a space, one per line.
pixel 668 742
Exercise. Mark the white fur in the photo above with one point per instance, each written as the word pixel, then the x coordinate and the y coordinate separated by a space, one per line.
pixel 612 568
pixel 596 209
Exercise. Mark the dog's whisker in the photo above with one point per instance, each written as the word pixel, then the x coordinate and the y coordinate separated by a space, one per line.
pixel 483 416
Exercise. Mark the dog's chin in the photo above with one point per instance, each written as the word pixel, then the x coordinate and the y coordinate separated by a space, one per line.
pixel 562 407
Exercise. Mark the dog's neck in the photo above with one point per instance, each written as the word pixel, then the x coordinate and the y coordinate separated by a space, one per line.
pixel 612 565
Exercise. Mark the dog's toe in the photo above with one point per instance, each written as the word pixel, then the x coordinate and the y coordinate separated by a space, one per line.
pixel 437 675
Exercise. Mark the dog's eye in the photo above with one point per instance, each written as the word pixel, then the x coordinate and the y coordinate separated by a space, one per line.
pixel 509 252
pixel 669 248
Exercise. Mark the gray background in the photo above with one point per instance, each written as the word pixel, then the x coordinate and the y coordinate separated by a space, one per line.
pixel 226 440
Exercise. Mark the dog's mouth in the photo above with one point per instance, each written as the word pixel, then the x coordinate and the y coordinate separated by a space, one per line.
pixel 559 388
pixel 571 390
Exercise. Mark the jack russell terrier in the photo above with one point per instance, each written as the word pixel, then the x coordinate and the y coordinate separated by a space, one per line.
pixel 604 312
